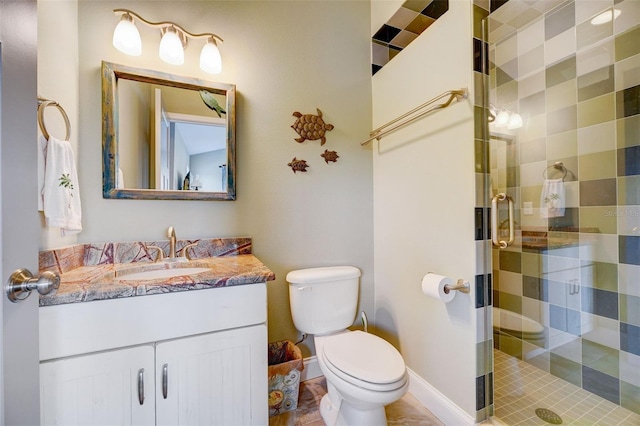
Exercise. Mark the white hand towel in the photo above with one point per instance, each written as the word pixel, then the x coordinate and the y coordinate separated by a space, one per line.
pixel 42 159
pixel 61 193
pixel 552 198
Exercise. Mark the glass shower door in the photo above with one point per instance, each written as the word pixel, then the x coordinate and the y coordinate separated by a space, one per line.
pixel 564 145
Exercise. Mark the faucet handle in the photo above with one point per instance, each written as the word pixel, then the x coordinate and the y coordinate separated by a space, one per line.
pixel 185 249
pixel 160 255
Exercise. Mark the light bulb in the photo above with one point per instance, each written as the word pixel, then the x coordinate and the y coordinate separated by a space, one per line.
pixel 210 60
pixel 502 120
pixel 126 37
pixel 606 16
pixel 515 121
pixel 171 50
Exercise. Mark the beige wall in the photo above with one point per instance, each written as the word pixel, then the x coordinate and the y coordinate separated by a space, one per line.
pixel 283 57
pixel 424 201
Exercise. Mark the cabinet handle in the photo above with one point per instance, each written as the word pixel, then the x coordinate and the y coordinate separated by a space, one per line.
pixel 165 380
pixel 141 386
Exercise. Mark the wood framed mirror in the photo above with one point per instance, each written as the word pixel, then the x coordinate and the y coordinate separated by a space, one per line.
pixel 159 128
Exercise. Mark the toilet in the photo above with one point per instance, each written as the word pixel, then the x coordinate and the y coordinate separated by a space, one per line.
pixel 363 372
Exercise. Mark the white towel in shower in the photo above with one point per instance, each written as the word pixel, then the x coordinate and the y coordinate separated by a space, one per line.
pixel 60 193
pixel 552 198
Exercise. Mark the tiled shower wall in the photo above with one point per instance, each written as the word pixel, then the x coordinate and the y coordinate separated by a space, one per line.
pixel 577 88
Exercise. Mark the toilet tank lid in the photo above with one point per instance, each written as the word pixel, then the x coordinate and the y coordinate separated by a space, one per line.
pixel 324 274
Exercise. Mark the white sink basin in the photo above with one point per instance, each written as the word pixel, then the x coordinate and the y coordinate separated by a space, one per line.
pixel 161 273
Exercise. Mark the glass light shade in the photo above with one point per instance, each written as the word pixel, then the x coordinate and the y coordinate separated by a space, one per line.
pixel 515 121
pixel 502 120
pixel 126 37
pixel 606 16
pixel 171 50
pixel 210 60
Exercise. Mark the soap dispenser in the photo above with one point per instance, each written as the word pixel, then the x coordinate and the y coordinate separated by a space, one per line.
pixel 186 185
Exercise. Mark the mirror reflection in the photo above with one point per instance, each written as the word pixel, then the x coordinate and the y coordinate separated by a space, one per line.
pixel 167 137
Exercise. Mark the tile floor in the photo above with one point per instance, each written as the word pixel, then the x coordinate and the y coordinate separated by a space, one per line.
pixel 407 411
pixel 520 389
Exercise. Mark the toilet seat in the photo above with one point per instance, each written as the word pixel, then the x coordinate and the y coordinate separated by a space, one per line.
pixel 364 360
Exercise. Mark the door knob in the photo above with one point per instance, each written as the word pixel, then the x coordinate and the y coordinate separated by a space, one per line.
pixel 21 282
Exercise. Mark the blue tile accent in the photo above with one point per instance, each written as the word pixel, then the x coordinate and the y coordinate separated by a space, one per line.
pixel 600 302
pixel 478 65
pixel 480 291
pixel 495 4
pixel 629 249
pixel 601 384
pixel 629 161
pixel 479 214
pixel 630 338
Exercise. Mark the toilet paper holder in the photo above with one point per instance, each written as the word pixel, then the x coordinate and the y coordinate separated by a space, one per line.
pixel 461 285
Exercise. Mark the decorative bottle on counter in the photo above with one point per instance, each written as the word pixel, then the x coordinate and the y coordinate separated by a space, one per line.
pixel 186 185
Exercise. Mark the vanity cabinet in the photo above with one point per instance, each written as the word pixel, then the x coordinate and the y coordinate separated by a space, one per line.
pixel 187 358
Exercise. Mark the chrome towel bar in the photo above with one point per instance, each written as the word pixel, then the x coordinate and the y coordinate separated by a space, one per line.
pixel 416 113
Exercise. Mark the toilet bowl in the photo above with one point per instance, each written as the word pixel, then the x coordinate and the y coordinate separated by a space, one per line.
pixel 363 371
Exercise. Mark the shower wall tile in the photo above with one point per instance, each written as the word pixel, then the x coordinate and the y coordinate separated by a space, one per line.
pixel 531 37
pixel 588 34
pixel 531 62
pixel 531 263
pixel 598 138
pixel 562 95
pixel 511 283
pixel 628 102
pixel 595 57
pixel 599 247
pixel 506 51
pixel 533 151
pixel 532 84
pixel 596 83
pixel 601 384
pixel 587 9
pixel 533 105
pixel 629 161
pixel 628 220
pixel 560 47
pixel 562 120
pixel 601 358
pixel 510 261
pixel 566 369
pixel 628 18
pixel 564 319
pixel 600 302
pixel 571 350
pixel 630 396
pixel 596 110
pixel 562 145
pixel 630 338
pixel 535 288
pixel 627 73
pixel 561 72
pixel 509 302
pixel 629 312
pixel 599 165
pixel 627 44
pixel 559 21
pixel 630 368
pixel 596 219
pixel 629 190
pixel 601 330
pixel 604 275
pixel 629 249
pixel 628 282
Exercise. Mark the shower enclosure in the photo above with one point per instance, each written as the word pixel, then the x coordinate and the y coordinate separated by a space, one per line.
pixel 562 98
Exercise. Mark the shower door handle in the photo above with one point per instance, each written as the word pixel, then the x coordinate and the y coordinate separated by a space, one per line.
pixel 494 221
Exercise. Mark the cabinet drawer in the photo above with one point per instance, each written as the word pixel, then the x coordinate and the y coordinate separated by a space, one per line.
pixel 79 328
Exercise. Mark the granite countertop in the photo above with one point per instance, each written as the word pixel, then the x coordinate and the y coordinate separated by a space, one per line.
pixel 82 282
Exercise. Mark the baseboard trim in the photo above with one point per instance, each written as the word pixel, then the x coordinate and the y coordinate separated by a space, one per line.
pixel 311 369
pixel 441 406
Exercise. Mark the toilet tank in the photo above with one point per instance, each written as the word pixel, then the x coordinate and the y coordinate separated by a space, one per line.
pixel 323 300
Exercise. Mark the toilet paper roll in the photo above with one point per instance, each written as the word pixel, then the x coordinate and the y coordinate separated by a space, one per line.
pixel 433 286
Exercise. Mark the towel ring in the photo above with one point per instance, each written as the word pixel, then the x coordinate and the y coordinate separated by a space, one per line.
pixel 43 128
pixel 558 165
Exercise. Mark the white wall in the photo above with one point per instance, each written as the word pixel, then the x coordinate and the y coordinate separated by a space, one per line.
pixel 283 57
pixel 424 200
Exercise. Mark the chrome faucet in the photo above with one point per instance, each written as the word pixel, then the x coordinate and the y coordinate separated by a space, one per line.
pixel 171 233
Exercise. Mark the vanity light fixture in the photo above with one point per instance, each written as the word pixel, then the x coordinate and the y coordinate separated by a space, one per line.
pixel 501 118
pixel 126 39
pixel 606 16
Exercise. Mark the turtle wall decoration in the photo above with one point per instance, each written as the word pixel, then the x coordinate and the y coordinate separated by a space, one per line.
pixel 329 156
pixel 311 127
pixel 298 165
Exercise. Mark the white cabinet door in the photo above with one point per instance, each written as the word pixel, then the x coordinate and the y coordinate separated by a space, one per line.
pixel 99 389
pixel 213 379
